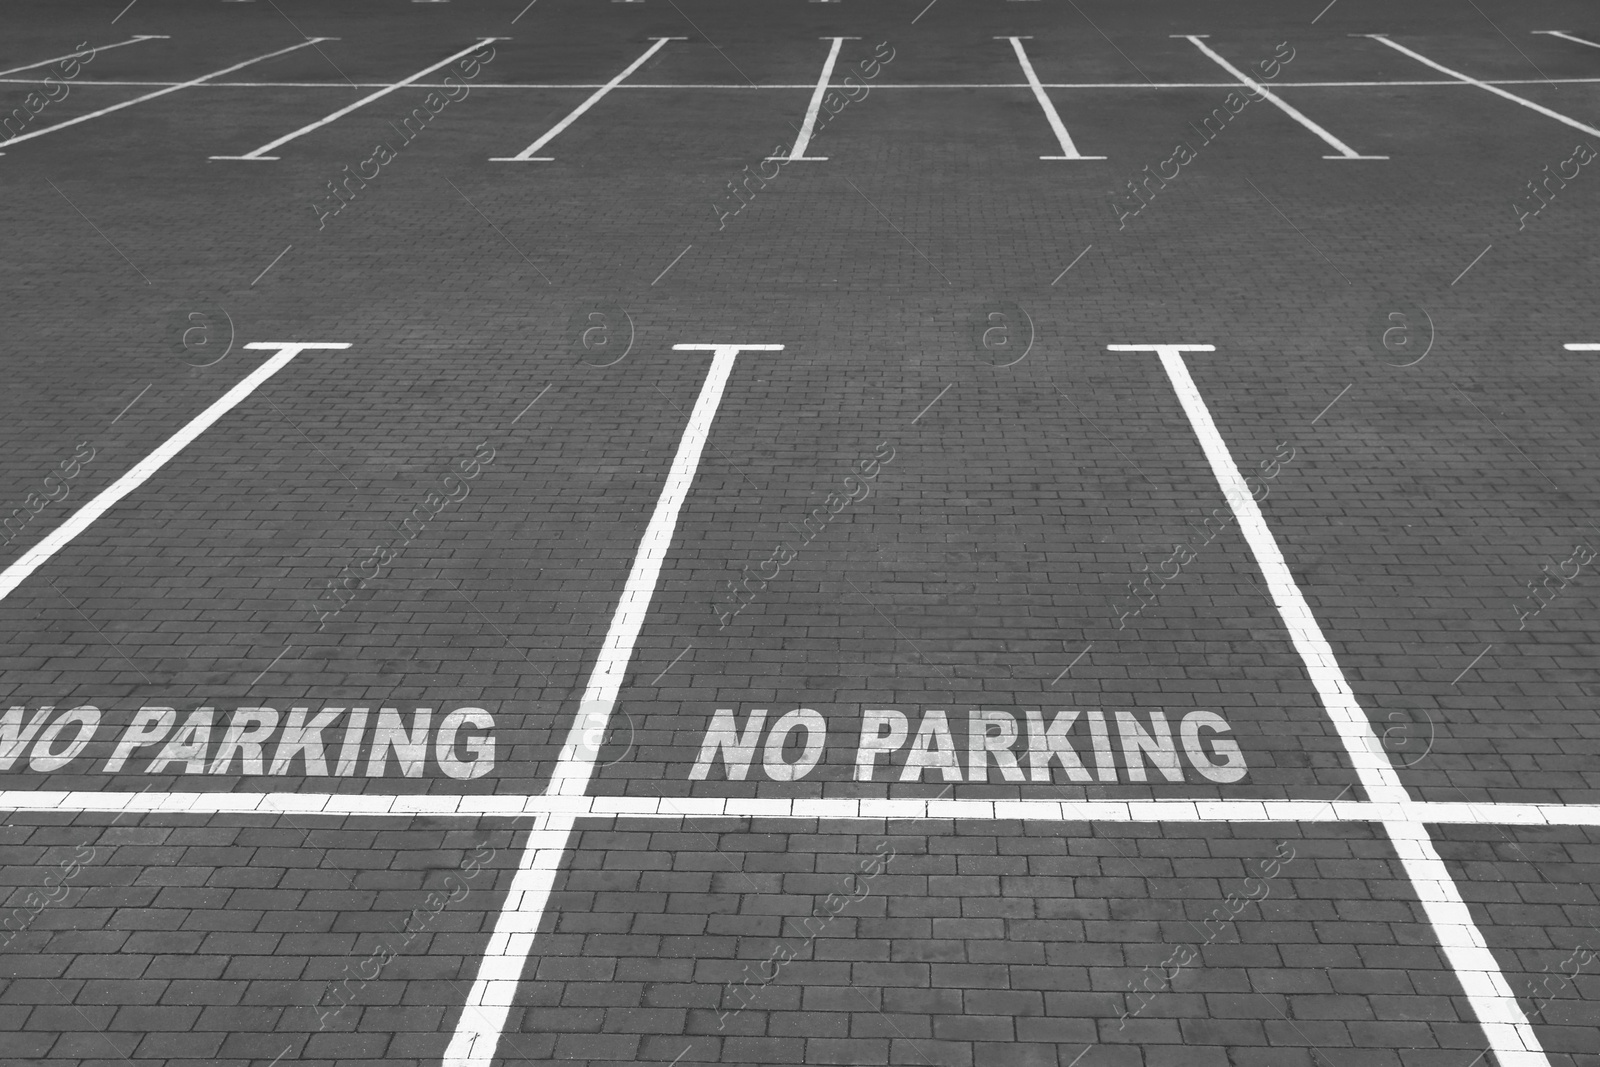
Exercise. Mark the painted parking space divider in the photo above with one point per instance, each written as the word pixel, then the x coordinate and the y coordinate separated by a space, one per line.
pixel 307 43
pixel 814 108
pixel 259 155
pixel 1383 39
pixel 1344 150
pixel 529 154
pixel 1565 37
pixel 487 1005
pixel 58 538
pixel 1068 149
pixel 1507 1029
pixel 135 39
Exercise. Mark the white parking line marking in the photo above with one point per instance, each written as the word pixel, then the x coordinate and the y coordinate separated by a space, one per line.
pixel 259 155
pixel 1566 37
pixel 1496 90
pixel 1344 150
pixel 58 538
pixel 527 154
pixel 338 805
pixel 814 108
pixel 135 39
pixel 163 92
pixel 1068 149
pixel 1582 346
pixel 1495 1006
pixel 484 1015
pixel 745 87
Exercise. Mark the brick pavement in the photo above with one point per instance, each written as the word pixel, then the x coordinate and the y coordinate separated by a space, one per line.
pixel 992 551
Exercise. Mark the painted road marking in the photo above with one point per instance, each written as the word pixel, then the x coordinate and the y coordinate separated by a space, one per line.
pixel 1566 37
pixel 1496 90
pixel 135 39
pixel 484 1015
pixel 814 108
pixel 1582 346
pixel 1068 149
pixel 259 155
pixel 745 88
pixel 1444 813
pixel 308 42
pixel 527 154
pixel 1510 1035
pixel 58 538
pixel 1344 150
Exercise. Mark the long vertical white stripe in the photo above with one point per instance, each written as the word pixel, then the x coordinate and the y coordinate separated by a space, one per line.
pixel 53 542
pixel 1345 151
pixel 1068 149
pixel 161 92
pixel 528 153
pixel 1505 1027
pixel 814 108
pixel 488 1003
pixel 261 153
pixel 1495 89
pixel 1371 762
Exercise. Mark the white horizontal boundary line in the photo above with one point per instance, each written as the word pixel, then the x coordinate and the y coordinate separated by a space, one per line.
pixel 1120 811
pixel 579 86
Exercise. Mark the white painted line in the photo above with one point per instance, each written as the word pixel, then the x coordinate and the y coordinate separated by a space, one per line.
pixel 1566 37
pixel 527 154
pixel 1582 346
pixel 744 87
pixel 1506 1028
pixel 489 1002
pixel 163 92
pixel 1377 773
pixel 1515 99
pixel 260 154
pixel 58 538
pixel 1344 150
pixel 1068 149
pixel 814 108
pixel 135 39
pixel 1504 1025
pixel 1444 813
